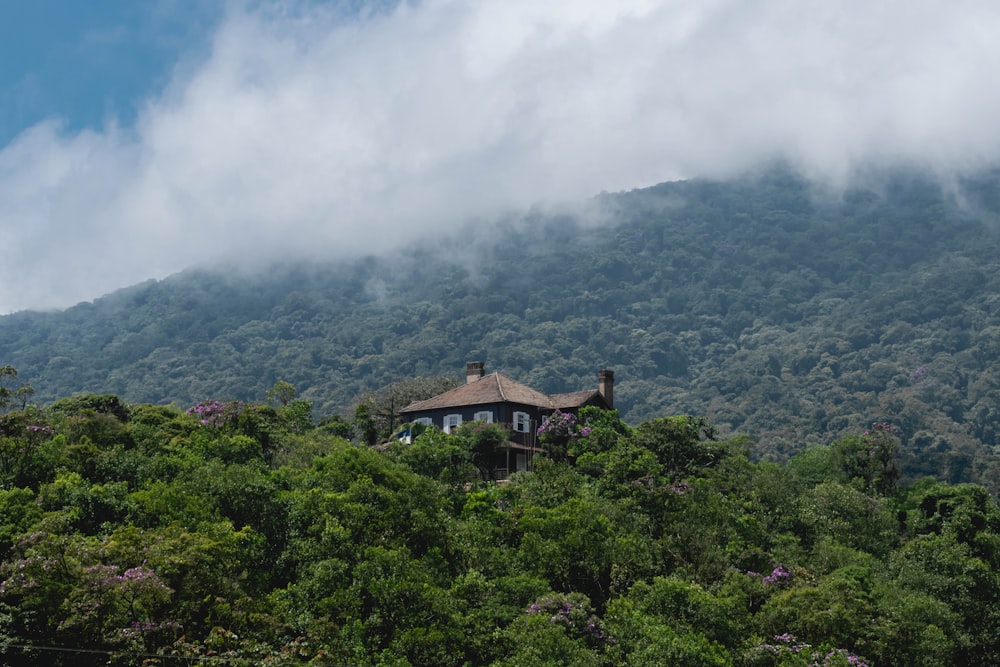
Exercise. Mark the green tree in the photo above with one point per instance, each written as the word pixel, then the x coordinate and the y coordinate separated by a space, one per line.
pixel 870 458
pixel 556 629
pixel 682 444
pixel 383 405
pixel 282 393
pixel 17 395
pixel 437 455
pixel 365 427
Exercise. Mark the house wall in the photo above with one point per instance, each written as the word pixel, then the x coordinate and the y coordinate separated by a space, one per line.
pixel 503 413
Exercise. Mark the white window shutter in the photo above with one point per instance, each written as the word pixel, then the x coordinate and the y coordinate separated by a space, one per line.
pixel 521 422
pixel 452 421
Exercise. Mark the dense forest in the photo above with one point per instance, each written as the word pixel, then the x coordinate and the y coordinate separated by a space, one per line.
pixel 775 307
pixel 237 533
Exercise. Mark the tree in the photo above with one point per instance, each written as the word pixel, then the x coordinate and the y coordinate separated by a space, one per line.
pixel 296 416
pixel 557 431
pixel 365 427
pixel 17 396
pixel 437 455
pixel 556 629
pixel 383 405
pixel 22 435
pixel 870 458
pixel 282 392
pixel 104 404
pixel 682 444
pixel 604 429
pixel 337 426
pixel 5 391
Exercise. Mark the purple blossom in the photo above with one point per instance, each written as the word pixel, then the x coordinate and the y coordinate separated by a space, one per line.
pixel 787 644
pixel 778 576
pixel 216 413
pixel 680 488
pixel 561 427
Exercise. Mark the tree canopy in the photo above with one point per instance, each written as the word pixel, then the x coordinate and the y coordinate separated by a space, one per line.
pixel 773 306
pixel 241 533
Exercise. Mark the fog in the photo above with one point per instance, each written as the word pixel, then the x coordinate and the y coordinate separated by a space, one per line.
pixel 306 132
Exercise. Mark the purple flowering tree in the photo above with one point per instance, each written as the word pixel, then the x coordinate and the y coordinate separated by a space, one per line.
pixel 558 430
pixel 64 587
pixel 216 413
pixel 571 612
pixel 261 423
pixel 119 606
pixel 787 651
pixel 779 576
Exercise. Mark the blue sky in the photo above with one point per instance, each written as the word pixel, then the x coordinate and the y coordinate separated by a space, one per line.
pixel 88 63
pixel 142 137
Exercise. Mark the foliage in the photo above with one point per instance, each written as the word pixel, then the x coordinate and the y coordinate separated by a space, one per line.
pixel 17 396
pixel 681 444
pixel 241 532
pixel 766 303
pixel 870 458
pixel 558 430
pixel 432 454
pixel 376 413
pixel 140 532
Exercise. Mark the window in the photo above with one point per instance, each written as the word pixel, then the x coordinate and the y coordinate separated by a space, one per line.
pixel 426 421
pixel 521 422
pixel 452 421
pixel 484 416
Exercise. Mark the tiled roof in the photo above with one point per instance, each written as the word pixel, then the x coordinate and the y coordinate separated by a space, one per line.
pixel 574 399
pixel 492 388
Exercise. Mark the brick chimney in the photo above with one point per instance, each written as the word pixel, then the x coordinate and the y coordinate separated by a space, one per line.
pixel 606 386
pixel 473 371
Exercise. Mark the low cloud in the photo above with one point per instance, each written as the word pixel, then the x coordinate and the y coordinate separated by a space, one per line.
pixel 305 132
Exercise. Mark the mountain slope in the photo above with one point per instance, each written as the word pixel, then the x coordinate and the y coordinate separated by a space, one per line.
pixel 775 308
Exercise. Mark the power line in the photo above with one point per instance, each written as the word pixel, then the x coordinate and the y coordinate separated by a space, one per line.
pixel 96 651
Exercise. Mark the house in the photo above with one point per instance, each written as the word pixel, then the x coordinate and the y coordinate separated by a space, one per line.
pixel 497 399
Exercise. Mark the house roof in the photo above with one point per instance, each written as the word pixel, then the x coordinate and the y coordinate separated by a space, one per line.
pixel 576 399
pixel 492 388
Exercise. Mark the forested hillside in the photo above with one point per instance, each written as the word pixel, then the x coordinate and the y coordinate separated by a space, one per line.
pixel 238 534
pixel 775 307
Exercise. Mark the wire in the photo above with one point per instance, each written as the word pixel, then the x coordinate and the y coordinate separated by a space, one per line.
pixel 66 649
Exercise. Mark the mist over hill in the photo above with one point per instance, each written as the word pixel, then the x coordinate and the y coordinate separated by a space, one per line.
pixel 773 306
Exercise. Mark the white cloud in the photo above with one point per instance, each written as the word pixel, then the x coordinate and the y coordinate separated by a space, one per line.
pixel 307 132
